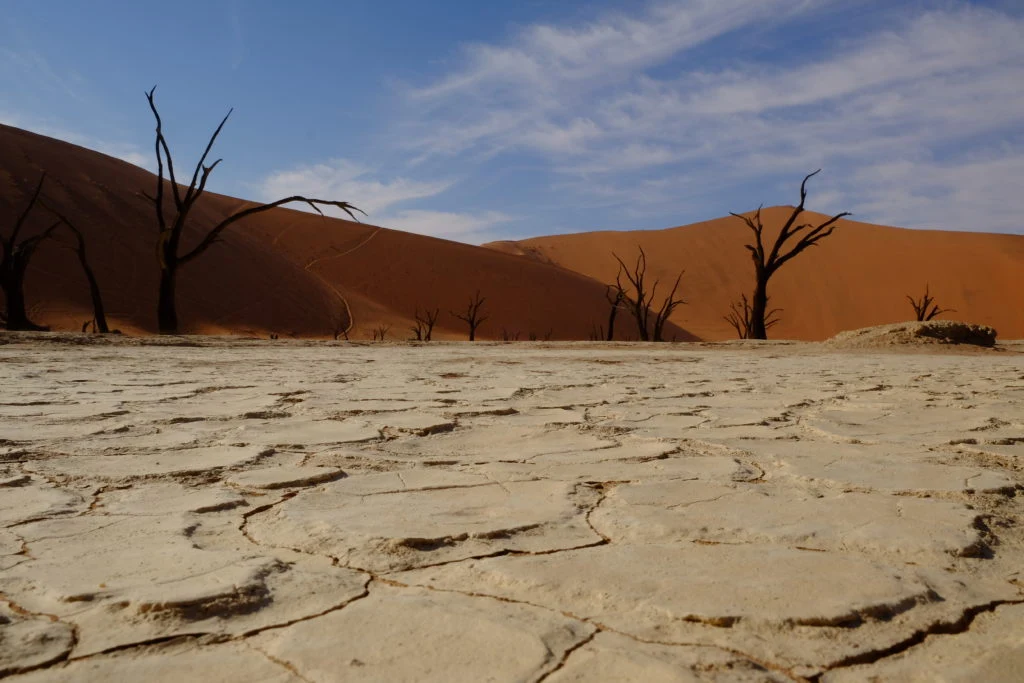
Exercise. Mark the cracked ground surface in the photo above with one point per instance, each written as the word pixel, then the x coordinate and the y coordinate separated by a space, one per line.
pixel 300 511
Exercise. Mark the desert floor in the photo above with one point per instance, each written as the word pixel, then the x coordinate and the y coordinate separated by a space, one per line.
pixel 234 510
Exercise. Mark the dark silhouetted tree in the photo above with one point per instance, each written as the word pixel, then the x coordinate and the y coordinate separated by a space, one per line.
pixel 170 256
pixel 615 297
pixel 424 327
pixel 640 301
pixel 381 333
pixel 768 262
pixel 99 313
pixel 739 317
pixel 921 306
pixel 472 316
pixel 15 256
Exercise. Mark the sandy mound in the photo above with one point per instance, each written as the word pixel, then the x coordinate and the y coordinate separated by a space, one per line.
pixel 857 278
pixel 284 272
pixel 931 332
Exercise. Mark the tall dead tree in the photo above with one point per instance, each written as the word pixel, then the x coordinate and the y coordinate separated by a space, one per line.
pixel 98 311
pixel 767 262
pixel 739 317
pixel 424 327
pixel 921 306
pixel 472 316
pixel 170 256
pixel 15 256
pixel 640 301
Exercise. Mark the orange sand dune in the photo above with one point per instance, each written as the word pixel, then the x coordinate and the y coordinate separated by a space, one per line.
pixel 283 271
pixel 858 277
pixel 238 286
pixel 386 274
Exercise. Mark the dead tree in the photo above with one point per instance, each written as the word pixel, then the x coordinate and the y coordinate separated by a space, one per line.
pixel 170 257
pixel 668 305
pixel 381 333
pixel 641 301
pixel 739 317
pixel 424 327
pixel 921 305
pixel 98 311
pixel 615 297
pixel 472 316
pixel 14 260
pixel 768 262
pixel 507 336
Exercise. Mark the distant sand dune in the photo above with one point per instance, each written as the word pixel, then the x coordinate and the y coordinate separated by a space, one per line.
pixel 299 274
pixel 858 277
pixel 283 271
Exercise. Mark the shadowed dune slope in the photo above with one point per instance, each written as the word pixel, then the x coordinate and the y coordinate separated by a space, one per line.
pixel 283 271
pixel 386 274
pixel 239 285
pixel 858 277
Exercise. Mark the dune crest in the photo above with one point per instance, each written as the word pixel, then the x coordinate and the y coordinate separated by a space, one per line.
pixel 281 272
pixel 858 277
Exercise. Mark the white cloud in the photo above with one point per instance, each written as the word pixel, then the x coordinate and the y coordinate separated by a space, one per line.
pixel 519 94
pixel 550 58
pixel 472 228
pixel 973 194
pixel 934 94
pixel 382 200
pixel 348 181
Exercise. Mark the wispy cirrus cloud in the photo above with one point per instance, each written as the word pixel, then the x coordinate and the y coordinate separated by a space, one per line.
pixel 382 200
pixel 524 93
pixel 348 180
pixel 472 228
pixel 613 107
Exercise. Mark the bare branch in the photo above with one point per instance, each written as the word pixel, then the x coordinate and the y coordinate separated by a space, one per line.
pixel 23 216
pixel 158 200
pixel 741 319
pixel 161 143
pixel 202 160
pixel 667 306
pixel 212 236
pixel 809 240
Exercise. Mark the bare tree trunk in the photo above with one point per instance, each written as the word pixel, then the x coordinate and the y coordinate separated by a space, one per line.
pixel 166 311
pixel 14 260
pixel 14 290
pixel 94 291
pixel 759 307
pixel 611 322
pixel 615 301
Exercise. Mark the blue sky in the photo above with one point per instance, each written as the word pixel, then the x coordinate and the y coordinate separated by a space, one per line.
pixel 475 120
